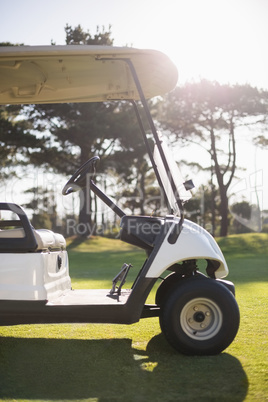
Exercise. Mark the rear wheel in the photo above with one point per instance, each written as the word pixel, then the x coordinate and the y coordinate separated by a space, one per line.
pixel 200 317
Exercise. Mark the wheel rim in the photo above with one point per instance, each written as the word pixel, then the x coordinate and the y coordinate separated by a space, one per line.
pixel 201 319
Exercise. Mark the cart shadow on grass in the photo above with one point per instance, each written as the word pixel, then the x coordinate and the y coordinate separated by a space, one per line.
pixel 112 370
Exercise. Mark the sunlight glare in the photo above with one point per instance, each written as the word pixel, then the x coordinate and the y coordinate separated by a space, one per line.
pixel 217 40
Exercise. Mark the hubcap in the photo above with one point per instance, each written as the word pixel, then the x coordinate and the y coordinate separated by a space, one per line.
pixel 201 319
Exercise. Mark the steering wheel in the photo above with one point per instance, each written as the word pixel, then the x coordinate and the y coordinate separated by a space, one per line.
pixel 78 179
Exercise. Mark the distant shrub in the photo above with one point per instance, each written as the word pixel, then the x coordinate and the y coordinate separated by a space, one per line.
pixel 265 228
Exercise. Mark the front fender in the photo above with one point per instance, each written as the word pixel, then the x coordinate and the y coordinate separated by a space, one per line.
pixel 194 242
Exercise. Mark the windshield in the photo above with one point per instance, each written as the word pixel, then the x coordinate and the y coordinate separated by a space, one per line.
pixel 183 188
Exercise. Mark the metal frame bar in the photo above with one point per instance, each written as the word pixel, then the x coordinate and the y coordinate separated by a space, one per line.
pixel 155 135
pixel 106 199
pixel 150 152
pixel 154 132
pixel 176 233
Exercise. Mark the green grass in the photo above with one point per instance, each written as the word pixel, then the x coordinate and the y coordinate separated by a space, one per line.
pixel 114 363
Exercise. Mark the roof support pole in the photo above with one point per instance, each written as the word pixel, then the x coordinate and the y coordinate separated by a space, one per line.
pixel 155 135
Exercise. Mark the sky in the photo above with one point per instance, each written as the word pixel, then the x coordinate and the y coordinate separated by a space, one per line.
pixel 222 40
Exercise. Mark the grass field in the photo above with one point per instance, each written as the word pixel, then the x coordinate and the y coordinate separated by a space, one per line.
pixel 110 363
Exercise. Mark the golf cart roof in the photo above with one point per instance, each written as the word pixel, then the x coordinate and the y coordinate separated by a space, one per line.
pixel 78 73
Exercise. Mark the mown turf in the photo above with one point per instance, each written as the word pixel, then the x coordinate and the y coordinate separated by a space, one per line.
pixel 134 363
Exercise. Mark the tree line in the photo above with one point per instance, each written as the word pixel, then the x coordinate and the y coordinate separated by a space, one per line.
pixel 61 137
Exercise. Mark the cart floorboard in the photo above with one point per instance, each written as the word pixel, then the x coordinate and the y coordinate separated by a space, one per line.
pixel 91 297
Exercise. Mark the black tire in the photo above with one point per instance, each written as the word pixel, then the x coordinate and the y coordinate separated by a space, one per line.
pixel 166 287
pixel 201 317
pixel 171 282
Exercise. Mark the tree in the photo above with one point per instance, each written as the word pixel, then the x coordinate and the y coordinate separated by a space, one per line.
pixel 242 212
pixel 16 142
pixel 261 141
pixel 10 44
pixel 68 134
pixel 202 207
pixel 44 208
pixel 78 36
pixel 78 131
pixel 210 113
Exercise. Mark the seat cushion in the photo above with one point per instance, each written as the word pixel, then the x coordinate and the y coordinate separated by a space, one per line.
pixel 46 239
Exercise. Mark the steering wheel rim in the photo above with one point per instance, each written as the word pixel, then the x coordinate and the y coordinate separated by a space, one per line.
pixel 77 181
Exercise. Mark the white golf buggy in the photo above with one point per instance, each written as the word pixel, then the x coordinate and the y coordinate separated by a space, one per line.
pixel 198 313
